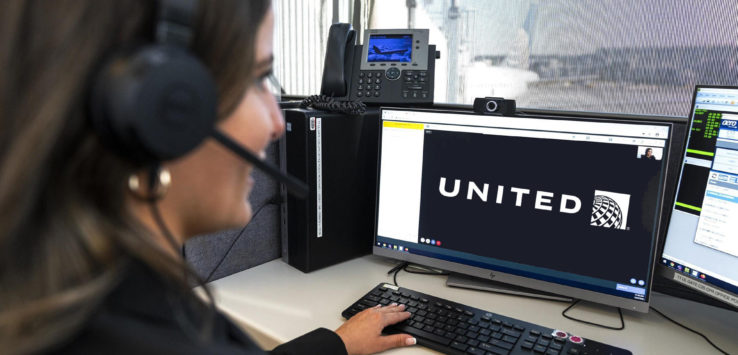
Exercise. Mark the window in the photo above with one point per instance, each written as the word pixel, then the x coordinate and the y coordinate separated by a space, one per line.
pixel 641 57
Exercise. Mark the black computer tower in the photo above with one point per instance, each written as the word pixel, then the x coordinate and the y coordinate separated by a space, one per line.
pixel 336 155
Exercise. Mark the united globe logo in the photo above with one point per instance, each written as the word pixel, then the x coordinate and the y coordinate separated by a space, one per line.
pixel 610 210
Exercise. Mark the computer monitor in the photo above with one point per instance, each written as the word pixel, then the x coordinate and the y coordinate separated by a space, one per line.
pixel 563 205
pixel 701 246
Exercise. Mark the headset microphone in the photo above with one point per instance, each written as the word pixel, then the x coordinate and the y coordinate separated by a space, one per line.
pixel 295 186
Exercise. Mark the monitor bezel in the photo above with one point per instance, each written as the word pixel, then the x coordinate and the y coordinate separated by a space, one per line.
pixel 500 276
pixel 670 275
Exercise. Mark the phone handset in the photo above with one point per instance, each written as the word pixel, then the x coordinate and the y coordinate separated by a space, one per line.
pixel 339 58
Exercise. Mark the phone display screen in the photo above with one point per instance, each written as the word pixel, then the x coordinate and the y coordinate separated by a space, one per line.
pixel 390 48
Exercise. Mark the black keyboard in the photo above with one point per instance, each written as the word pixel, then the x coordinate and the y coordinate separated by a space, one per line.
pixel 454 328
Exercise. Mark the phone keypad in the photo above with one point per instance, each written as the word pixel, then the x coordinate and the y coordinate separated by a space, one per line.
pixel 414 84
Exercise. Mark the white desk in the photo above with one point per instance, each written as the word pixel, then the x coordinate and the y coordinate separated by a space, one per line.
pixel 275 302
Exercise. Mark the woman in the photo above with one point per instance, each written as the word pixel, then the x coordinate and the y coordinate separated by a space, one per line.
pixel 86 264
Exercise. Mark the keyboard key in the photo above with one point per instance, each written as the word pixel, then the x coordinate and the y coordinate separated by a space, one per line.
pixel 421 313
pixel 463 325
pixel 574 351
pixel 507 324
pixel 439 325
pixel 475 351
pixel 439 332
pixel 483 324
pixel 423 334
pixel 414 297
pixel 539 349
pixel 501 344
pixel 429 321
pixel 485 332
pixel 495 328
pixel 412 309
pixel 510 339
pixel 384 302
pixel 472 335
pixel 450 335
pixel 461 339
pixel 429 328
pixel 527 345
pixel 555 346
pixel 468 313
pixel 424 300
pixel 472 342
pixel 412 303
pixel 552 352
pixel 443 319
pixel 422 306
pixel 483 338
pixel 453 322
pixel 460 331
pixel 449 328
pixel 546 336
pixel 474 328
pixel 432 316
pixel 543 342
pixel 372 298
pixel 534 332
pixel 511 333
pixel 459 346
pixel 531 339
pixel 518 328
pixel 497 335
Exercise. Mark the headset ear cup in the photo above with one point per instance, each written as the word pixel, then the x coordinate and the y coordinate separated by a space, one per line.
pixel 157 104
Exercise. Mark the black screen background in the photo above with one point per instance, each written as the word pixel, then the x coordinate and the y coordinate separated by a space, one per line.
pixel 549 239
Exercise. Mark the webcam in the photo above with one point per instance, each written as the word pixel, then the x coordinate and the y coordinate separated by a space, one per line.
pixel 494 106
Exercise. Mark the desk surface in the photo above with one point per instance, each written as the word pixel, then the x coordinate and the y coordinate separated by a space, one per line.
pixel 275 302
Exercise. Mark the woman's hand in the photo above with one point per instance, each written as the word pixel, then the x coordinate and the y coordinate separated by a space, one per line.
pixel 362 334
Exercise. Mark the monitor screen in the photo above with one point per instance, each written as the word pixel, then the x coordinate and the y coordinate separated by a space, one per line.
pixel 701 246
pixel 568 206
pixel 390 48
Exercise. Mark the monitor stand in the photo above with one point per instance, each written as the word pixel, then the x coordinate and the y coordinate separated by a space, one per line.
pixel 464 281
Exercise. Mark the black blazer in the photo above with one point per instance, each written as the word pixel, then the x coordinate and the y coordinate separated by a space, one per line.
pixel 145 316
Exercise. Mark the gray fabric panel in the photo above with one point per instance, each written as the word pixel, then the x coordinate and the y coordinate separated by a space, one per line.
pixel 260 241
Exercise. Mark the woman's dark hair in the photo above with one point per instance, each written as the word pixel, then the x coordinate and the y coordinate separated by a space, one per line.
pixel 66 232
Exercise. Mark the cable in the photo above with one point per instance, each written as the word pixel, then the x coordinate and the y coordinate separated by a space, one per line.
pixel 327 103
pixel 620 312
pixel 691 330
pixel 273 201
pixel 403 266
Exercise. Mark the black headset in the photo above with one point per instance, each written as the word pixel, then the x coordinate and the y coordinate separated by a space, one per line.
pixel 157 101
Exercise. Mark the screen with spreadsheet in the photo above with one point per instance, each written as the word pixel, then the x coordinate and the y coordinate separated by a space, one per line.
pixel 701 247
